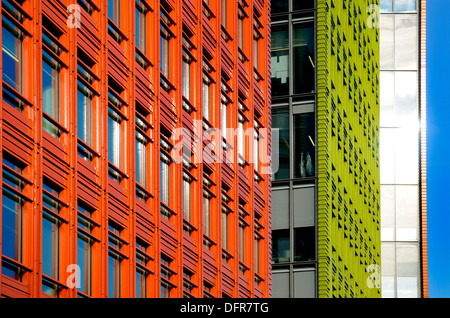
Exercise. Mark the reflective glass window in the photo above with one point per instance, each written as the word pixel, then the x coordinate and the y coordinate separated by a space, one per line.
pixel 386 6
pixel 280 246
pixel 387 42
pixel 280 121
pixel 406 42
pixel 405 5
pixel 303 57
pixel 280 60
pixel 304 152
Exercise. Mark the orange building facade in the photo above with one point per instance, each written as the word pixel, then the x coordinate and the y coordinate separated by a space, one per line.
pixel 119 178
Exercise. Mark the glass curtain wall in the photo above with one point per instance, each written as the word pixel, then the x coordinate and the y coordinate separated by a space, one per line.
pixel 399 145
pixel 293 124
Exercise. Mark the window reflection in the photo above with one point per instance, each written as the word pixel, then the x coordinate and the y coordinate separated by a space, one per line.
pixel 280 120
pixel 406 42
pixel 304 244
pixel 280 60
pixel 385 6
pixel 405 5
pixel 387 42
pixel 303 50
pixel 304 153
pixel 280 247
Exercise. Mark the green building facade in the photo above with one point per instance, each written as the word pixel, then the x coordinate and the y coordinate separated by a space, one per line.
pixel 326 197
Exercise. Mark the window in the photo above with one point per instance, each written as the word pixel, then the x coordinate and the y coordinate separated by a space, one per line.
pixel 86 6
pixel 223 11
pixel 206 208
pixel 257 252
pixel 165 179
pixel 114 136
pixel 12 55
pixel 304 242
pixel 85 110
pixel 405 5
pixel 241 140
pixel 84 261
pixel 51 223
pixel 241 234
pixel 187 59
pixel 206 213
pixel 84 247
pixel 303 57
pixel 240 33
pixel 280 123
pixel 12 217
pixel 224 223
pixel 187 283
pixel 140 25
pixel 280 246
pixel 280 60
pixel 187 199
pixel 256 147
pixel 166 274
pixel 205 97
pixel 141 268
pixel 141 155
pixel 224 116
pixel 114 11
pixel 51 68
pixel 304 145
pixel 114 260
pixel 164 46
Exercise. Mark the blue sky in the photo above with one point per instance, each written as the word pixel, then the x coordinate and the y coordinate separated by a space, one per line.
pixel 438 131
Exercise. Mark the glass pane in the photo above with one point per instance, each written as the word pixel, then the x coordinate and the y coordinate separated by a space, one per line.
pixel 304 244
pixel 407 270
pixel 387 42
pixel 386 6
pixel 407 213
pixel 11 55
pixel 387 286
pixel 280 247
pixel 50 86
pixel 303 46
pixel 302 4
pixel 113 275
pixel 280 121
pixel 84 114
pixel 304 152
pixel 114 139
pixel 141 160
pixel 406 156
pixel 387 212
pixel 280 60
pixel 50 246
pixel 405 5
pixel 387 90
pixel 279 6
pixel 11 225
pixel 406 109
pixel 84 262
pixel 387 259
pixel 406 42
pixel 387 155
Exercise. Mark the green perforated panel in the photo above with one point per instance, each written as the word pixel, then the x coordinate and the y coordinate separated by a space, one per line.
pixel 348 148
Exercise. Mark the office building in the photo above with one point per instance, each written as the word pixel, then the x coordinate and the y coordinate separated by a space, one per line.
pixel 112 186
pixel 325 119
pixel 403 148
